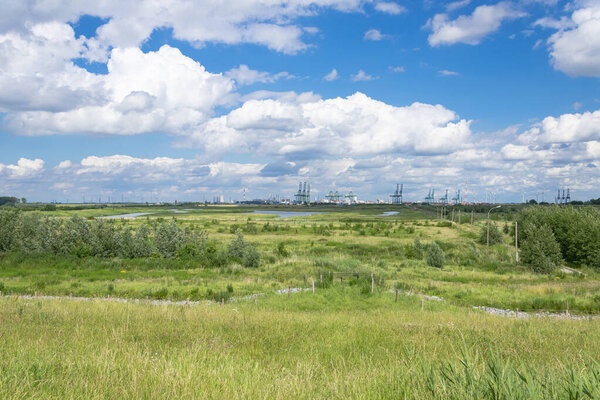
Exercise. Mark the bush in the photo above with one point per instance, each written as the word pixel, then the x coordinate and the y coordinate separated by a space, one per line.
pixel 541 250
pixel 237 246
pixel 281 250
pixel 576 230
pixel 251 258
pixel 495 234
pixel 435 256
pixel 168 239
pixel 418 248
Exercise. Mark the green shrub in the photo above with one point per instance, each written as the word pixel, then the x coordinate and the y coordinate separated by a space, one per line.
pixel 495 234
pixel 540 250
pixel 435 256
pixel 418 248
pixel 251 257
pixel 237 246
pixel 281 250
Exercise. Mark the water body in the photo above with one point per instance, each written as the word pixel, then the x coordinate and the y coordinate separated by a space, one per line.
pixel 288 214
pixel 126 216
pixel 387 214
pixel 180 211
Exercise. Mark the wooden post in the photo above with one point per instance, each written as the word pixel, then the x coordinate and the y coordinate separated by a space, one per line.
pixel 471 220
pixel 289 291
pixel 422 304
pixel 516 242
pixel 313 285
pixel 222 301
pixel 321 278
pixel 517 313
pixel 372 283
pixel 567 310
pixel 396 295
pixel 256 300
pixel 469 311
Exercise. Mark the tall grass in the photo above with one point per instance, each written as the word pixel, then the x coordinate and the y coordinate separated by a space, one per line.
pixel 327 347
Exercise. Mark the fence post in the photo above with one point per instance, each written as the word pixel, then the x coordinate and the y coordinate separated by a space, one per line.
pixel 313 285
pixel 321 278
pixel 517 314
pixel 289 291
pixel 222 301
pixel 422 304
pixel 256 300
pixel 516 242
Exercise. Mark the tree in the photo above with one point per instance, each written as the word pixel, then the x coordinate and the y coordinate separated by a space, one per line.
pixel 495 234
pixel 435 256
pixel 541 250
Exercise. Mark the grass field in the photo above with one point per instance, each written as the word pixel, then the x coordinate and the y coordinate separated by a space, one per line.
pixel 333 344
pixel 341 342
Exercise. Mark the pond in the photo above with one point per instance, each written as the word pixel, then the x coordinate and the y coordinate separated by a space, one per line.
pixel 387 214
pixel 288 214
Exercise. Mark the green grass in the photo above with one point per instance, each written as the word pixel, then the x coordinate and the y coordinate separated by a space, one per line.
pixel 335 344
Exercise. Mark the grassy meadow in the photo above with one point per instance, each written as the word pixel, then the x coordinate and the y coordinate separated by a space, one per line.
pixel 343 341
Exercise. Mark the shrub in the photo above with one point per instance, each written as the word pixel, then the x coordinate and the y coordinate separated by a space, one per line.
pixel 168 239
pixel 237 246
pixel 541 250
pixel 251 258
pixel 418 248
pixel 435 256
pixel 495 234
pixel 281 250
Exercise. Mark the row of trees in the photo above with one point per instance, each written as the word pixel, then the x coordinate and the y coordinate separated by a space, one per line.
pixel 549 236
pixel 33 233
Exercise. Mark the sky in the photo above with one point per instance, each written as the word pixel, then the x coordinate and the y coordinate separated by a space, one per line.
pixel 186 100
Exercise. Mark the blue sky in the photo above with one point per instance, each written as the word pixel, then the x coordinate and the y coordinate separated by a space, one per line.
pixel 198 98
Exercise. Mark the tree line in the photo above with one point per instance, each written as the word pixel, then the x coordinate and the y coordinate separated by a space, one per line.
pixel 35 234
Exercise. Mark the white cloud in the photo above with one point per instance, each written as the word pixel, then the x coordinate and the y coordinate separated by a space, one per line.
pixel 332 76
pixel 362 76
pixel 396 69
pixel 130 23
pixel 566 128
pixel 457 4
pixel 447 72
pixel 356 125
pixel 24 169
pixel 375 34
pixel 162 91
pixel 471 29
pixel 390 7
pixel 577 51
pixel 246 76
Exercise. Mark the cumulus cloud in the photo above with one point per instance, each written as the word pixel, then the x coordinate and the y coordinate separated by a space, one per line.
pixel 447 72
pixel 356 125
pixel 23 169
pixel 455 5
pixel 375 34
pixel 161 91
pixel 390 7
pixel 332 76
pixel 396 69
pixel 243 75
pixel 361 76
pixel 576 51
pixel 130 23
pixel 471 29
pixel 566 128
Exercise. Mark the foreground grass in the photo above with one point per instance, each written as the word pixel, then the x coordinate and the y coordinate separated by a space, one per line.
pixel 333 344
